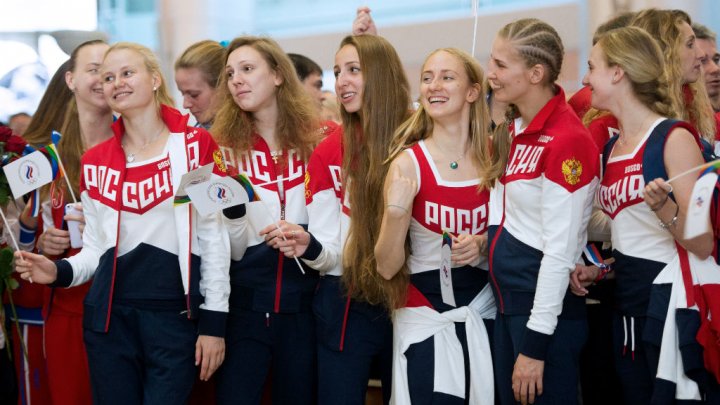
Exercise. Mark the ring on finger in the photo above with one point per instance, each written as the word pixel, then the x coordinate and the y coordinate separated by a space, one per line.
pixel 292 234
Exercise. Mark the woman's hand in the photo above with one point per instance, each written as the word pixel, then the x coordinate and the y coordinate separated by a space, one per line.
pixel 581 278
pixel 656 194
pixel 364 24
pixel 291 239
pixel 209 355
pixel 77 216
pixel 54 241
pixel 466 249
pixel 400 193
pixel 35 268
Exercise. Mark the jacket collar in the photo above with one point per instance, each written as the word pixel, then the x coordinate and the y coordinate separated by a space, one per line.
pixel 538 123
pixel 175 121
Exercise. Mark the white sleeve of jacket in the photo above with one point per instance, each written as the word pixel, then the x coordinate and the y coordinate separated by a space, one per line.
pixel 565 217
pixel 237 229
pixel 325 216
pixel 215 261
pixel 86 261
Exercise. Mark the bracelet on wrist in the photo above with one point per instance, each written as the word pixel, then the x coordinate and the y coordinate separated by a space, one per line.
pixel 399 206
pixel 662 204
pixel 673 221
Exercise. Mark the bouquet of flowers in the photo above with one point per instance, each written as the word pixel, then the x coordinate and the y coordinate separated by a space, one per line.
pixel 11 148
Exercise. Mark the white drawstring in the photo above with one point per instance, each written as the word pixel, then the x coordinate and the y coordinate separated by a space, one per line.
pixel 632 337
pixel 625 335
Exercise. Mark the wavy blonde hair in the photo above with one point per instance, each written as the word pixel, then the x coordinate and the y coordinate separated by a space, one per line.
pixel 663 26
pixel 640 57
pixel 367 134
pixel 297 122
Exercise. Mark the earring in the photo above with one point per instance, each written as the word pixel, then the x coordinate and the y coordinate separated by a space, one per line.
pixel 155 88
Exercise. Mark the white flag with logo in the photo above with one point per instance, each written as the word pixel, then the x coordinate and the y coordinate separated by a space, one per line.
pixel 28 173
pixel 698 215
pixel 216 194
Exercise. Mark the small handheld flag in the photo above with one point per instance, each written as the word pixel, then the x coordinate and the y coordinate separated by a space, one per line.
pixel 247 185
pixel 703 169
pixel 697 220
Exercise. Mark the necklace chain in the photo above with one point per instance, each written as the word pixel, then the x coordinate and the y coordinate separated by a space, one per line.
pixel 131 155
pixel 623 140
pixel 453 163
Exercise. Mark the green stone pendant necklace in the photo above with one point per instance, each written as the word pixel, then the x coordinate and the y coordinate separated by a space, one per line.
pixel 454 163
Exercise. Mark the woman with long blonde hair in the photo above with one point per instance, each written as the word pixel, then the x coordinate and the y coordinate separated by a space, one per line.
pixel 540 208
pixel 436 193
pixel 148 289
pixel 626 75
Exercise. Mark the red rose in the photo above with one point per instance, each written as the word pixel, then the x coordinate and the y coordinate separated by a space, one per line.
pixel 5 133
pixel 15 144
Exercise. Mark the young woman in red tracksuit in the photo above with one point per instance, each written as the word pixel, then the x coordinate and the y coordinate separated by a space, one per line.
pixel 147 288
pixel 437 184
pixel 267 126
pixel 32 375
pixel 344 179
pixel 87 123
pixel 543 192
pixel 626 75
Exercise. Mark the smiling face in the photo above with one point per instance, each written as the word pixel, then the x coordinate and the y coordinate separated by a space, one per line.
pixel 85 81
pixel 349 81
pixel 127 83
pixel 197 94
pixel 689 54
pixel 251 81
pixel 508 74
pixel 445 89
pixel 599 78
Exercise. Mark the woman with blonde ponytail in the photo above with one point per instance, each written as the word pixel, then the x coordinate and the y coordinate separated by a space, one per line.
pixel 540 207
pixel 626 75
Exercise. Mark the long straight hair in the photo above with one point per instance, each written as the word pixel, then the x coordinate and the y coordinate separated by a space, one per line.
pixel 367 134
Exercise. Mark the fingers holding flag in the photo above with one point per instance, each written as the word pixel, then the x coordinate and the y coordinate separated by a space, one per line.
pixel 37 268
pixel 291 239
pixel 466 249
